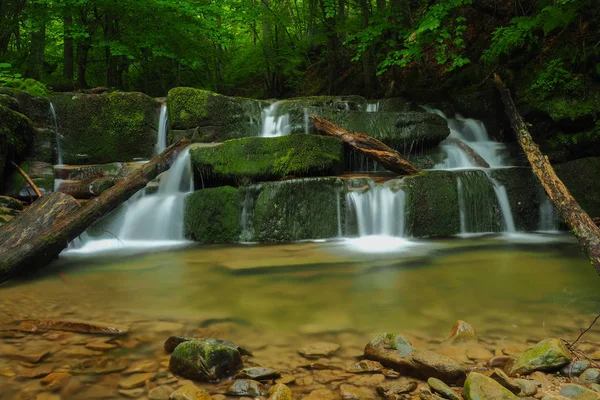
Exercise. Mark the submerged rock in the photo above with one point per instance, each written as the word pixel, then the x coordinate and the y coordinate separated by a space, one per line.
pixel 205 359
pixel 444 390
pixel 480 387
pixel 393 390
pixel 547 355
pixel 280 392
pixel 318 350
pixel 366 366
pixel 246 387
pixel 351 392
pixel 190 392
pixel 258 374
pixel 462 332
pixel 395 351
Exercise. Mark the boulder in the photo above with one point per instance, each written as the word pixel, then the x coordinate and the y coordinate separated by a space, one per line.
pixel 16 136
pixel 205 360
pixel 246 387
pixel 108 127
pixel 35 106
pixel 577 392
pixel 243 161
pixel 547 355
pixel 480 387
pixel 396 352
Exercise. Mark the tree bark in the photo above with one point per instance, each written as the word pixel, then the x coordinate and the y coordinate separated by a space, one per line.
pixel 36 54
pixel 584 228
pixel 42 248
pixel 472 154
pixel 378 151
pixel 68 49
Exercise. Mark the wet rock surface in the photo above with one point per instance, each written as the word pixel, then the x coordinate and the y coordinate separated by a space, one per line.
pixel 479 387
pixel 547 355
pixel 205 359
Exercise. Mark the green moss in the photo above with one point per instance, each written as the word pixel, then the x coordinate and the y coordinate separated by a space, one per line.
pixel 242 161
pixel 16 136
pixel 213 215
pixel 561 107
pixel 187 106
pixel 547 355
pixel 30 86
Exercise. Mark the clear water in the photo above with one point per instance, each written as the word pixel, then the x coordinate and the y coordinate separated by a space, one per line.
pixel 163 126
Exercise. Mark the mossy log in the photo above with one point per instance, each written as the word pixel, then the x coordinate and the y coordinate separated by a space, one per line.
pixel 582 225
pixel 46 244
pixel 389 158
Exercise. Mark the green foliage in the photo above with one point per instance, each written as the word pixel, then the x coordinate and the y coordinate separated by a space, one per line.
pixel 16 81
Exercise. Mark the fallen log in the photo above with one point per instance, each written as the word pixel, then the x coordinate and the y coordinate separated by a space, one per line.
pixel 583 227
pixel 472 154
pixel 376 150
pixel 46 245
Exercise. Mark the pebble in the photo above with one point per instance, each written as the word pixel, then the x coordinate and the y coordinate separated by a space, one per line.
pixel 579 393
pixel 322 394
pixel 100 346
pixel 280 392
pixel 246 387
pixel 132 393
pixel 462 332
pixel 500 376
pixel 575 368
pixel 188 392
pixel 365 366
pixel 27 356
pixel 143 366
pixel 160 393
pixel 286 379
pixel 320 349
pixel 589 376
pixel 442 389
pixel 37 372
pixel 425 394
pixel 351 392
pixel 528 388
pixel 391 390
pixel 258 374
pixel 135 380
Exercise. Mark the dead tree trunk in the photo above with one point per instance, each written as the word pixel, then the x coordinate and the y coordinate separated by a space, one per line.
pixel 378 151
pixel 43 247
pixel 472 154
pixel 578 220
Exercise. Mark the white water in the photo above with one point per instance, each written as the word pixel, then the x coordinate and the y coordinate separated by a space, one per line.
pixel 163 121
pixel 373 107
pixel 146 218
pixel 549 221
pixel 273 123
pixel 57 136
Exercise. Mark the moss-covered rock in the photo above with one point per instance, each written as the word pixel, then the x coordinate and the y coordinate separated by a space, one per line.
pixel 433 200
pixel 16 135
pixel 242 161
pixel 547 355
pixel 213 215
pixel 581 178
pixel 9 102
pixel 213 117
pixel 481 387
pixel 205 359
pixel 35 107
pixel 107 127
pixel 31 86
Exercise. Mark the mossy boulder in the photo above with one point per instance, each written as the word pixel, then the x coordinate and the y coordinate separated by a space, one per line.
pixel 481 387
pixel 213 215
pixel 547 355
pixel 205 359
pixel 35 107
pixel 247 160
pixel 108 127
pixel 433 204
pixel 212 117
pixel 16 136
pixel 581 178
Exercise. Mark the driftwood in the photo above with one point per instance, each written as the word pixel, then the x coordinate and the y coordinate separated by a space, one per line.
pixel 27 179
pixel 376 150
pixel 584 228
pixel 472 154
pixel 47 244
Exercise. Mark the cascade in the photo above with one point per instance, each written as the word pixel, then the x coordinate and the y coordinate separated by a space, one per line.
pixel 163 121
pixel 147 219
pixel 273 123
pixel 476 202
pixel 373 107
pixel 549 221
pixel 57 136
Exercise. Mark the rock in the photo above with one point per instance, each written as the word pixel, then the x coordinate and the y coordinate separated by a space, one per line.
pixel 528 388
pixel 480 387
pixel 37 372
pixel 159 393
pixel 174 341
pixel 318 350
pixel 498 361
pixel 16 135
pixel 441 388
pixel 366 366
pixel 246 387
pixel 141 366
pixel 547 355
pixel 132 393
pixel 425 394
pixel 589 376
pixel 56 380
pixel 462 332
pixel 135 380
pixel 190 392
pixel 242 161
pixel 258 374
pixel 575 368
pixel 100 345
pixel 392 390
pixel 351 392
pixel 205 359
pixel 395 351
pixel 579 393
pixel 280 392
pixel 499 376
pixel 595 387
pixel 286 379
pixel 27 356
pixel 322 394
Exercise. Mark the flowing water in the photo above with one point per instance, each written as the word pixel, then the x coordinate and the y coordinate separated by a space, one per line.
pixel 163 126
pixel 57 135
pixel 275 123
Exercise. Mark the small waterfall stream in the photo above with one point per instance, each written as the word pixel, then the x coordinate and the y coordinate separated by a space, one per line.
pixel 163 126
pixel 274 123
pixel 57 135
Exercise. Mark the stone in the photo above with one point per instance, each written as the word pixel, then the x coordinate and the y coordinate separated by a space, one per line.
pixel 498 361
pixel 589 376
pixel 547 355
pixel 442 389
pixel 100 346
pixel 286 379
pixel 37 372
pixel 318 350
pixel 391 390
pixel 500 376
pixel 246 387
pixel 174 341
pixel 160 393
pixel 55 380
pixel 528 388
pixel 135 380
pixel 142 366
pixel 579 393
pixel 322 394
pixel 351 392
pixel 575 368
pixel 462 332
pixel 396 352
pixel 27 356
pixel 132 393
pixel 205 359
pixel 47 396
pixel 280 392
pixel 366 366
pixel 258 374
pixel 478 352
pixel 190 392
pixel 425 394
pixel 480 387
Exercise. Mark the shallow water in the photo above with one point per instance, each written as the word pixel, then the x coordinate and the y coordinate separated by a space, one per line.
pixel 511 288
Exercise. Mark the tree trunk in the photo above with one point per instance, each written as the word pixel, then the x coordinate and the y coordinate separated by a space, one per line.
pixel 68 49
pixel 47 243
pixel 82 59
pixel 472 154
pixel 578 220
pixel 378 151
pixel 36 54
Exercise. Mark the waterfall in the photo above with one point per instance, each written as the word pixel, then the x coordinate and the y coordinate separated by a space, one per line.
pixel 477 202
pixel 146 220
pixel 163 121
pixel 273 123
pixel 502 196
pixel 57 136
pixel 549 221
pixel 373 107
